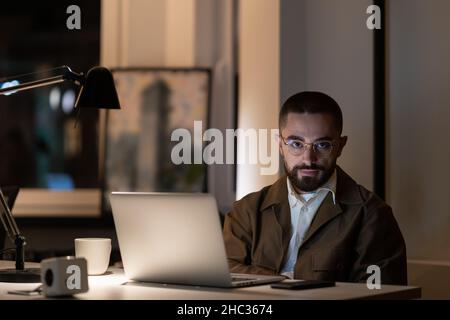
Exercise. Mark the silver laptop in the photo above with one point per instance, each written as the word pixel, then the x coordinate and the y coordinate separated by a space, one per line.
pixel 174 238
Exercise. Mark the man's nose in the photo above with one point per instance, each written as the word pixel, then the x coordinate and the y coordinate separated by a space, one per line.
pixel 309 156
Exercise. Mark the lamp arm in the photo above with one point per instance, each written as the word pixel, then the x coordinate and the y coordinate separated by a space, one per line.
pixel 13 232
pixel 77 78
pixel 67 74
pixel 7 218
pixel 32 84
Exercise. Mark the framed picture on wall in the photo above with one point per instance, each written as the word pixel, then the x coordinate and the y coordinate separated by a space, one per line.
pixel 138 145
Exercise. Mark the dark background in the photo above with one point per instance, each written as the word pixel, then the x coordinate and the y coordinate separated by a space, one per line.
pixel 34 37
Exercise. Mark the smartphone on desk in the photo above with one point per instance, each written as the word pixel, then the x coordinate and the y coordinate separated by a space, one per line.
pixel 302 284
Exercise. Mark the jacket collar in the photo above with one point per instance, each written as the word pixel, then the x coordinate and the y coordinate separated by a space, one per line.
pixel 276 201
pixel 347 191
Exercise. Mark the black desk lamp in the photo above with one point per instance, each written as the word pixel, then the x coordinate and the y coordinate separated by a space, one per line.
pixel 97 87
pixel 97 91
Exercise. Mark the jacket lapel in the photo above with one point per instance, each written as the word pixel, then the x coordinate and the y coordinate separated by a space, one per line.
pixel 327 211
pixel 275 203
pixel 346 193
pixel 283 217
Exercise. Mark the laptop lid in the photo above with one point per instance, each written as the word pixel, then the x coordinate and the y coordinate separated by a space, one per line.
pixel 170 238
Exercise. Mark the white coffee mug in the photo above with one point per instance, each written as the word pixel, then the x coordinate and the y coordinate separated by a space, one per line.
pixel 96 251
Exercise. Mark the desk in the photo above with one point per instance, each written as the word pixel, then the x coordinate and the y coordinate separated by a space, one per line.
pixel 112 287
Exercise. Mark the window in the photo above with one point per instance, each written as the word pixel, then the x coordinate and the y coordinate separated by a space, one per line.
pixel 42 150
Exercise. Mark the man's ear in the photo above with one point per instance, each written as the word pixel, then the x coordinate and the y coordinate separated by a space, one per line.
pixel 342 143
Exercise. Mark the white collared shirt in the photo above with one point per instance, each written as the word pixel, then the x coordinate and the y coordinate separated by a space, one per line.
pixel 303 209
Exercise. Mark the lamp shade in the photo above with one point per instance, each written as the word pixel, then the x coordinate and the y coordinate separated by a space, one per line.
pixel 98 90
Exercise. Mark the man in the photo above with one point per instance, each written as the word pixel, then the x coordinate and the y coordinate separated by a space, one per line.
pixel 315 222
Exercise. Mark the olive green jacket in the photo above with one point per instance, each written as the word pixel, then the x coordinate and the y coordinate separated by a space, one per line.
pixel 341 242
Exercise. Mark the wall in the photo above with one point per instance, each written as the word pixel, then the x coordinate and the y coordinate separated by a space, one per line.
pixel 327 47
pixel 419 118
pixel 259 83
pixel 288 46
pixel 172 33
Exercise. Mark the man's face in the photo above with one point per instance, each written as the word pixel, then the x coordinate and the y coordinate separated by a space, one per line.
pixel 309 169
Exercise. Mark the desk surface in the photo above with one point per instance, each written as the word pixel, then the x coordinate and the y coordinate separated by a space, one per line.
pixel 114 286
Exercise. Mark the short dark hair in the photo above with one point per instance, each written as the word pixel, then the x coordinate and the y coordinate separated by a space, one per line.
pixel 311 102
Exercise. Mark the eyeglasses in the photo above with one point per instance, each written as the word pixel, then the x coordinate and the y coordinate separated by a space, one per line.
pixel 296 147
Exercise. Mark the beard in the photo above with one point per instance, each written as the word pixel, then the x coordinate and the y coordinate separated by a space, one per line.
pixel 308 184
